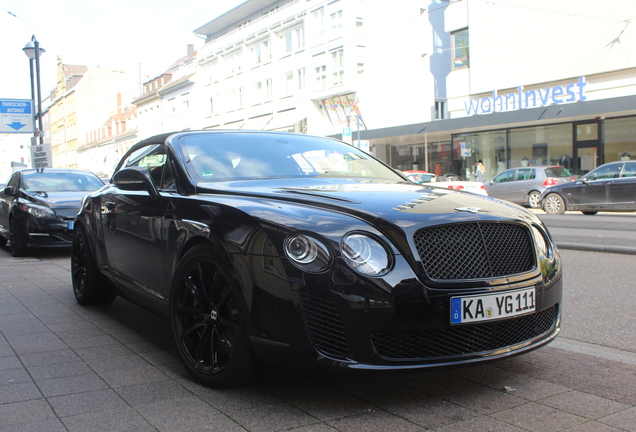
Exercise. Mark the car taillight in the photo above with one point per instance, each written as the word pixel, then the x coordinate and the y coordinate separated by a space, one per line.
pixel 573 178
pixel 456 187
pixel 550 182
pixel 482 187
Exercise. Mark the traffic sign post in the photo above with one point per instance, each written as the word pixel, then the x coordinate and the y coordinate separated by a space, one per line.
pixel 17 116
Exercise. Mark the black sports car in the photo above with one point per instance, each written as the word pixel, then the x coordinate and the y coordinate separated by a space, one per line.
pixel 285 248
pixel 610 188
pixel 38 207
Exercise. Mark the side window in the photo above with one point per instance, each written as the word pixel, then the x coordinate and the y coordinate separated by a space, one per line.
pixel 14 181
pixel 524 174
pixel 153 158
pixel 604 173
pixel 629 170
pixel 505 176
pixel 167 182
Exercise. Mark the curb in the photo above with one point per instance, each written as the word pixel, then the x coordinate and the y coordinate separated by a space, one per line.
pixel 598 248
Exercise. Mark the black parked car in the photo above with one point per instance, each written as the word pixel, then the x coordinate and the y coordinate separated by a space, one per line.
pixel 610 187
pixel 38 207
pixel 294 249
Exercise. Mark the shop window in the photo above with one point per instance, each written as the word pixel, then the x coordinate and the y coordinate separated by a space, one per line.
pixel 460 49
pixel 618 135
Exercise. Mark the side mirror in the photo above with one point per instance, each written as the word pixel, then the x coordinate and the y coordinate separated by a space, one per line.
pixel 135 179
pixel 9 190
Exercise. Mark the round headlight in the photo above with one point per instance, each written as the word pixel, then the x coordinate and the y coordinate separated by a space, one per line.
pixel 307 253
pixel 365 254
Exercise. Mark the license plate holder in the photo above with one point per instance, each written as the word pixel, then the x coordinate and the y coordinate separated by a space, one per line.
pixel 490 307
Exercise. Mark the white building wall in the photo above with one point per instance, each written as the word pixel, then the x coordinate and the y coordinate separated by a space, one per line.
pixel 543 43
pixel 387 68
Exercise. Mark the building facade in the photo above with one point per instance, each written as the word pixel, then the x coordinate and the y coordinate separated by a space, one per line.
pixel 541 82
pixel 82 101
pixel 427 84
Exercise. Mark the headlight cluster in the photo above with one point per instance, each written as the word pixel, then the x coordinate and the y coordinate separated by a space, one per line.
pixel 37 211
pixel 365 254
pixel 307 253
pixel 362 253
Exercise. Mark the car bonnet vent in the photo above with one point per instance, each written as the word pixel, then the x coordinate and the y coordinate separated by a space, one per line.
pixel 475 250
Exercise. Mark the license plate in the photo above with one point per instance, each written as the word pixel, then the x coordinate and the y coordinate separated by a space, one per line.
pixel 70 225
pixel 489 307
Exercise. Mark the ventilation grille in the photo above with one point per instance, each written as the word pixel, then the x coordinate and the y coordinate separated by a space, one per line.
pixel 474 250
pixel 323 324
pixel 462 340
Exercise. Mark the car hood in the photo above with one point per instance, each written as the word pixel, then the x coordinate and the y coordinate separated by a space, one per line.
pixel 54 200
pixel 402 203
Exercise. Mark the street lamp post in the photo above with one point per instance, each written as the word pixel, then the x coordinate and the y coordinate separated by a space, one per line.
pixel 33 50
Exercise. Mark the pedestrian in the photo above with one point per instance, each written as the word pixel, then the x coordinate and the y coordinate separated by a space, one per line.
pixel 479 172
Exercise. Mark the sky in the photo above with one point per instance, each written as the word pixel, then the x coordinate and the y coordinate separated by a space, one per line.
pixel 130 35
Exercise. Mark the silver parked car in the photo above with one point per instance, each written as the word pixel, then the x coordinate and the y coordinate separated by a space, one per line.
pixel 524 185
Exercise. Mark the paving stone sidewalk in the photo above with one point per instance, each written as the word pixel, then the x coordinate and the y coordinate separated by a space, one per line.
pixel 64 367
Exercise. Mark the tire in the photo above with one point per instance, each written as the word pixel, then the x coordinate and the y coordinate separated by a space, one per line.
pixel 16 248
pixel 589 213
pixel 554 204
pixel 89 285
pixel 208 322
pixel 534 199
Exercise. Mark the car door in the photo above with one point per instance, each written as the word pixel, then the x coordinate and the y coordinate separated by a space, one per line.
pixel 622 191
pixel 594 192
pixel 133 231
pixel 521 185
pixel 500 185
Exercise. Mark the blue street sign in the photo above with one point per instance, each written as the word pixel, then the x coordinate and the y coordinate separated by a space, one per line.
pixel 17 116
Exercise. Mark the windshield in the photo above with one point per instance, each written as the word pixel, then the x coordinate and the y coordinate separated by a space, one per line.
pixel 557 171
pixel 228 156
pixel 60 182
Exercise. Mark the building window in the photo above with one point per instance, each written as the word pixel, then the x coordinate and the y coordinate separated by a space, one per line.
pixel 263 90
pixel 336 21
pixel 233 63
pixel 359 27
pixel 293 81
pixel 320 73
pixel 460 45
pixel 235 99
pixel 300 78
pixel 337 73
pixel 319 23
pixel 293 40
pixel 261 52
pixel 440 110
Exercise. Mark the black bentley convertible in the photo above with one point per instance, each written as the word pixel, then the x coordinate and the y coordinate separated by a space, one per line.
pixel 285 248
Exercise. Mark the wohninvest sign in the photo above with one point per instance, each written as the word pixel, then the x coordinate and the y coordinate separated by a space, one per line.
pixel 523 99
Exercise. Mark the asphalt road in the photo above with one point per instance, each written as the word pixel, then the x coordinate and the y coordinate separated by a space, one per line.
pixel 603 232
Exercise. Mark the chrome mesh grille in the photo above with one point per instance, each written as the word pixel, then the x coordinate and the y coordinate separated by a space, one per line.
pixel 474 250
pixel 466 339
pixel 323 324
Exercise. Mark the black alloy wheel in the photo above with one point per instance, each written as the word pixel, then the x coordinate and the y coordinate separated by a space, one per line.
pixel 89 286
pixel 16 248
pixel 554 204
pixel 207 322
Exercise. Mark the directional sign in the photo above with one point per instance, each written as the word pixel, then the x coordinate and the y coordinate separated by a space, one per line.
pixel 17 116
